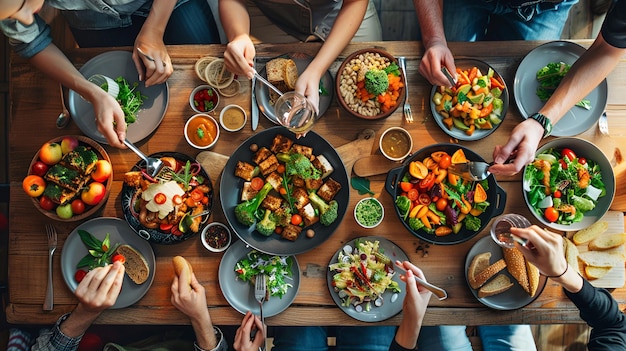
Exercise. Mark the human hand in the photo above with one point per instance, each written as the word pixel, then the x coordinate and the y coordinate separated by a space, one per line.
pixel 110 119
pixel 190 301
pixel 239 55
pixel 100 288
pixel 308 84
pixel 544 250
pixel 151 59
pixel 243 342
pixel 522 143
pixel 413 307
pixel 436 57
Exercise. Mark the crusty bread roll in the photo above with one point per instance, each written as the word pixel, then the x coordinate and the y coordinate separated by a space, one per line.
pixel 533 278
pixel 499 284
pixel 591 232
pixel 136 265
pixel 183 269
pixel 486 274
pixel 516 265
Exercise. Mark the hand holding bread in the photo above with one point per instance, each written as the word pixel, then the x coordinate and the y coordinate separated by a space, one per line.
pixel 183 269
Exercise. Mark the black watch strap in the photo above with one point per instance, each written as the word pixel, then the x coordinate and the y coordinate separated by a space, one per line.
pixel 544 121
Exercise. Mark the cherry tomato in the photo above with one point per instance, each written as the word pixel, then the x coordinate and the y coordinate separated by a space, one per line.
pixel 582 160
pixel 197 195
pixel 78 206
pixel 551 214
pixel 39 168
pixel 406 186
pixel 445 161
pixel 34 185
pixel 412 194
pixel 568 153
pixel 46 203
pixel 118 257
pixel 165 227
pixel 296 219
pixel 282 190
pixel 257 183
pixel 280 169
pixel 557 194
pixel 80 275
pixel 427 182
pixel 424 199
pixel 177 200
pixel 563 164
pixel 441 204
pixel 160 198
pixel 278 230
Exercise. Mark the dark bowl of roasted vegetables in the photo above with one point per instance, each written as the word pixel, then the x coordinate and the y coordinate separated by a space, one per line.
pixel 570 184
pixel 438 206
pixel 282 195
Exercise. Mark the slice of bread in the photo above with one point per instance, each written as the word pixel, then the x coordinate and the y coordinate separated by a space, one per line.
pixel 571 254
pixel 136 265
pixel 479 263
pixel 291 74
pixel 605 242
pixel 601 259
pixel 516 265
pixel 591 232
pixel 486 274
pixel 592 272
pixel 497 285
pixel 533 278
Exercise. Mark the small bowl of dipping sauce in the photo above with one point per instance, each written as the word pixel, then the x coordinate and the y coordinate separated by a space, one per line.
pixel 369 212
pixel 204 98
pixel 202 131
pixel 396 143
pixel 216 237
pixel 233 118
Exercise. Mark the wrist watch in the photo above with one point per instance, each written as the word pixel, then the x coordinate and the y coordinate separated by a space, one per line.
pixel 544 121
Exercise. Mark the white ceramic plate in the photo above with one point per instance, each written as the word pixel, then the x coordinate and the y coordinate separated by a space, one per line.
pixel 577 119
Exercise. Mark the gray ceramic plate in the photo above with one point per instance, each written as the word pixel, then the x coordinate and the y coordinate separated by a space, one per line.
pixel 302 61
pixel 240 294
pixel 515 297
pixel 388 309
pixel 114 64
pixel 119 232
pixel 577 119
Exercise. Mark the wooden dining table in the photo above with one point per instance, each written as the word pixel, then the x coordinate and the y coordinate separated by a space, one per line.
pixel 36 104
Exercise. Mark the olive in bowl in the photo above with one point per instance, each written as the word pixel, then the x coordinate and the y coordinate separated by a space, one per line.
pixel 216 237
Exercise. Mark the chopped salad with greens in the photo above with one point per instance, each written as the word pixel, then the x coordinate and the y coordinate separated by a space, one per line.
pixel 550 76
pixel 277 270
pixel 362 274
pixel 561 187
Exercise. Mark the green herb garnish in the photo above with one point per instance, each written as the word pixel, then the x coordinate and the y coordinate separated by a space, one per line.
pixel 130 100
pixel 100 252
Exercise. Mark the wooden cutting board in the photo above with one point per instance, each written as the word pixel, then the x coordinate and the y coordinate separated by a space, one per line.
pixel 373 165
pixel 214 162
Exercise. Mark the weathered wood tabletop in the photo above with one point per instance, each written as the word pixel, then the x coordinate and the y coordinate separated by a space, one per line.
pixel 35 105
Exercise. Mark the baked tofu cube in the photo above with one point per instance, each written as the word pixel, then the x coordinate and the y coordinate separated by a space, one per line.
pixel 247 193
pixel 281 144
pixel 308 215
pixel 272 202
pixel 300 197
pixel 245 170
pixel 329 189
pixel 313 184
pixel 297 181
pixel 303 150
pixel 269 165
pixel 291 232
pixel 283 215
pixel 261 155
pixel 275 179
pixel 320 162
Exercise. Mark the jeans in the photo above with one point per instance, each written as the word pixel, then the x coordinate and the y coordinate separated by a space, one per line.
pixel 189 23
pixel 493 338
pixel 370 338
pixel 477 20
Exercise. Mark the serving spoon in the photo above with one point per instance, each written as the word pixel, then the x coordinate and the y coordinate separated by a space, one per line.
pixel 64 117
pixel 153 165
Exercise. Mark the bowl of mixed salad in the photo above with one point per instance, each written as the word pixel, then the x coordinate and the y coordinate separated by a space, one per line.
pixel 570 184
pixel 438 206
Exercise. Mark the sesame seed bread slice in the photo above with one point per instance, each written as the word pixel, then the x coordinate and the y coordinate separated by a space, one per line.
pixel 136 265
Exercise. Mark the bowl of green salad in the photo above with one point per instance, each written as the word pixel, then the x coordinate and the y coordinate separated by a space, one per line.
pixel 569 185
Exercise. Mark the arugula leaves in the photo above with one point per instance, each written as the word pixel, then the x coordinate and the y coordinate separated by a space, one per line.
pixel 130 99
pixel 550 76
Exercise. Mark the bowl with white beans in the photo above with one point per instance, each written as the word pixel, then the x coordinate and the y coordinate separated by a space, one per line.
pixel 370 84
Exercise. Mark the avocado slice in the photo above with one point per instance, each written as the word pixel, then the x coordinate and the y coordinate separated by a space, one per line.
pixel 459 123
pixel 477 99
pixel 465 88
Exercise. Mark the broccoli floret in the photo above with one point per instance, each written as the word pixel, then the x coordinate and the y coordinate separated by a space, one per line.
pixel 245 210
pixel 472 223
pixel 300 165
pixel 267 225
pixel 376 81
pixel 415 223
pixel 328 211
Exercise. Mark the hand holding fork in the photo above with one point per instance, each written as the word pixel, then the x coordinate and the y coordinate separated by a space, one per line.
pixel 260 289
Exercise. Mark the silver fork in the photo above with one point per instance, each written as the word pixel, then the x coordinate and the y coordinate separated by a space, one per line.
pixel 603 124
pixel 406 108
pixel 52 245
pixel 259 294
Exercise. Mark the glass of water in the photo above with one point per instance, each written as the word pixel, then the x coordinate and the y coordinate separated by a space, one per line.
pixel 295 112
pixel 501 230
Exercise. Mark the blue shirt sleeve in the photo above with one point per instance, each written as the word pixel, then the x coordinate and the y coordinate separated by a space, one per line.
pixel 27 40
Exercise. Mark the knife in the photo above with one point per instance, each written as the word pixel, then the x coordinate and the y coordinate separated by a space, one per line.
pixel 254 108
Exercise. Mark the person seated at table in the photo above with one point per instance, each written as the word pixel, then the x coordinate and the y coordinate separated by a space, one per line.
pixel 143 24
pixel 585 74
pixel 466 20
pixel 597 306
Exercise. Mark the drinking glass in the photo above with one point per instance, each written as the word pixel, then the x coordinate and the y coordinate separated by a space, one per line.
pixel 295 112
pixel 501 229
pixel 107 84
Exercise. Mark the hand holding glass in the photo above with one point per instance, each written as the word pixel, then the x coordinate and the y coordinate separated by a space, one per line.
pixel 295 112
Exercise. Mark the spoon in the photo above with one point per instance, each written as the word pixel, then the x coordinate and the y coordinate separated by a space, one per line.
pixel 473 170
pixel 64 117
pixel 439 292
pixel 153 165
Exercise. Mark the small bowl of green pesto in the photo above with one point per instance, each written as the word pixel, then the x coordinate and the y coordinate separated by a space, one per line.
pixel 369 212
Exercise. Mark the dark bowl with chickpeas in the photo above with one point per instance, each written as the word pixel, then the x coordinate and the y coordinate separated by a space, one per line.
pixel 370 84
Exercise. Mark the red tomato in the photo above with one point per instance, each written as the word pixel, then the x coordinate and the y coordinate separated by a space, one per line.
pixel 33 185
pixel 427 182
pixel 445 161
pixel 406 186
pixel 424 199
pixel 412 194
pixel 165 227
pixel 582 160
pixel 160 198
pixel 551 214
pixel 177 200
pixel 78 206
pixel 568 153
pixel 563 164
pixel 46 203
pixel 557 194
pixel 39 168
pixel 118 257
pixel 79 275
pixel 257 183
pixel 441 204
pixel 296 219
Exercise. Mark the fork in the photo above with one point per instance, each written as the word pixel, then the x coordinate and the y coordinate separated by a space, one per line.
pixel 603 124
pixel 406 108
pixel 259 294
pixel 52 245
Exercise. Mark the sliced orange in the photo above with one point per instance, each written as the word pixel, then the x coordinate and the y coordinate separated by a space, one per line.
pixel 459 156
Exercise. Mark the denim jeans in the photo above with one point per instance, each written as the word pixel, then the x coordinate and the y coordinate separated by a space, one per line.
pixel 493 338
pixel 477 20
pixel 189 23
pixel 370 338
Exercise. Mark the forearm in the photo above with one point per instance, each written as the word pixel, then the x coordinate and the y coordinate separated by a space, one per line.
pixel 157 20
pixel 430 18
pixel 407 333
pixel 203 328
pixel 78 321
pixel 570 281
pixel 235 18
